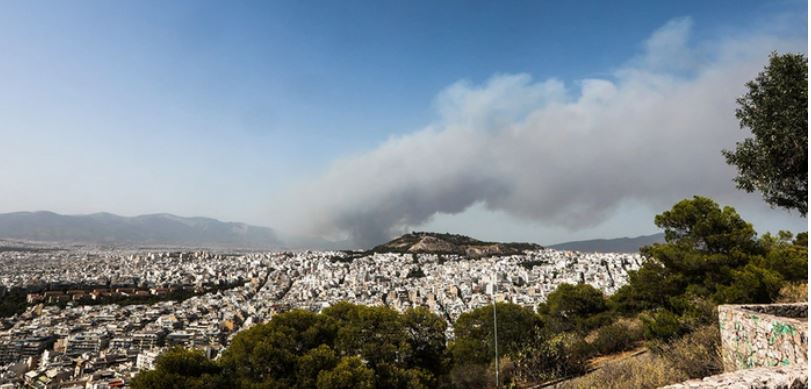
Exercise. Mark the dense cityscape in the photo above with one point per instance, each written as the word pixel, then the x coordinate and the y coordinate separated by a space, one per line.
pixel 93 318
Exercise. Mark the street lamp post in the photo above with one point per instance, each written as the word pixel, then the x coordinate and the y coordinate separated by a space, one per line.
pixel 495 329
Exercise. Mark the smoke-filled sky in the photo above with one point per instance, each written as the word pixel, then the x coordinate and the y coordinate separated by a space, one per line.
pixel 526 121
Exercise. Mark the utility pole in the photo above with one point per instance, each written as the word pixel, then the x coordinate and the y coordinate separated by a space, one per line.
pixel 495 328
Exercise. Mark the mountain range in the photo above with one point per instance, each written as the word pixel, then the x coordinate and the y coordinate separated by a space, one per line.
pixel 156 229
pixel 164 229
pixel 618 245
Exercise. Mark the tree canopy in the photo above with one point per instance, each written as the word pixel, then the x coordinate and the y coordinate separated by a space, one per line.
pixel 774 161
pixel 710 254
pixel 179 368
pixel 345 346
pixel 573 307
pixel 474 332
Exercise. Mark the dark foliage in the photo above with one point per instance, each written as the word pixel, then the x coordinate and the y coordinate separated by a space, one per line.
pixel 774 161
pixel 474 332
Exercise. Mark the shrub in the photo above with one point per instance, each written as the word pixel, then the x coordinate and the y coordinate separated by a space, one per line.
pixel 661 325
pixel 562 356
pixel 793 293
pixel 620 336
pixel 471 375
pixel 643 372
pixel 697 354
pixel 695 311
pixel 482 375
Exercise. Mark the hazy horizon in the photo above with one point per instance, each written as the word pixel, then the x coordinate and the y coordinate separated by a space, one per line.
pixel 568 123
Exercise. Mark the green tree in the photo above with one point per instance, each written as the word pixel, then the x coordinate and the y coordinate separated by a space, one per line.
pixel 751 284
pixel 703 242
pixel 179 368
pixel 395 377
pixel 403 350
pixel 786 255
pixel 774 161
pixel 376 334
pixel 425 332
pixel 350 373
pixel 269 353
pixel 474 332
pixel 701 225
pixel 574 307
pixel 710 253
pixel 650 287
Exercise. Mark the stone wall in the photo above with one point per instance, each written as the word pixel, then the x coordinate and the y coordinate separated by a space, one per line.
pixel 763 335
pixel 789 377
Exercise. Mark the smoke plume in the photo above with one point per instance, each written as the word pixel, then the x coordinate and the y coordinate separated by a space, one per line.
pixel 565 154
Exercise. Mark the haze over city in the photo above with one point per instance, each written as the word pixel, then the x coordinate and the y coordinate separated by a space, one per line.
pixel 343 120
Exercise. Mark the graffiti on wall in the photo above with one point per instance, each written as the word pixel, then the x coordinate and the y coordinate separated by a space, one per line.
pixel 763 335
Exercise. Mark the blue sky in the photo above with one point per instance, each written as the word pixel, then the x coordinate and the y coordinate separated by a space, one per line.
pixel 229 109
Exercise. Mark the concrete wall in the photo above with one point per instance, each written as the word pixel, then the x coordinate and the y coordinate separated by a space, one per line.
pixel 763 335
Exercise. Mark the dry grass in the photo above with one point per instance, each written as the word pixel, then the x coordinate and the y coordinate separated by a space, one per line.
pixel 694 355
pixel 599 361
pixel 644 371
pixel 697 354
pixel 793 293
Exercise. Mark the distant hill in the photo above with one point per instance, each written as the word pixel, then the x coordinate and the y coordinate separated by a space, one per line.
pixel 435 243
pixel 618 245
pixel 157 229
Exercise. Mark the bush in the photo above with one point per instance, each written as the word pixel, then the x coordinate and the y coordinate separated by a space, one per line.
pixel 793 293
pixel 620 336
pixel 694 355
pixel 562 356
pixel 697 354
pixel 661 325
pixel 647 371
pixel 472 375
pixel 482 375
pixel 695 311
